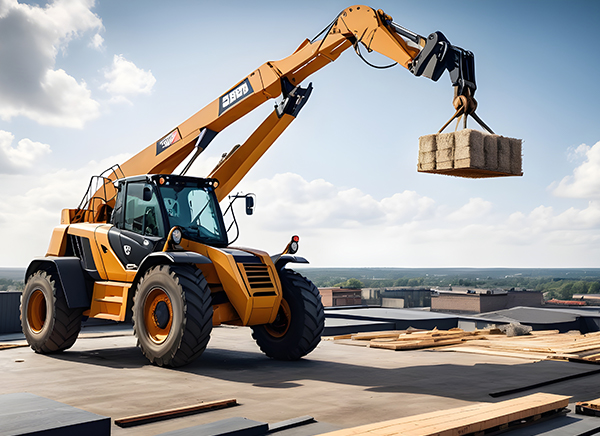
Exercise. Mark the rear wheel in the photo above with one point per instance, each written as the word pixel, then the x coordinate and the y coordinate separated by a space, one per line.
pixel 49 325
pixel 172 314
pixel 300 321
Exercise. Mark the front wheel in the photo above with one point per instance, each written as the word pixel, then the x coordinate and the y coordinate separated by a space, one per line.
pixel 300 321
pixel 49 325
pixel 172 314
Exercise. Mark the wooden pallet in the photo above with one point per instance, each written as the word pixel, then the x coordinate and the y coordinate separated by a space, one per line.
pixel 591 408
pixel 472 419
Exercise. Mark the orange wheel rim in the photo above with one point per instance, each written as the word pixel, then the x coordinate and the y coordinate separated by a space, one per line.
pixel 36 311
pixel 281 325
pixel 158 315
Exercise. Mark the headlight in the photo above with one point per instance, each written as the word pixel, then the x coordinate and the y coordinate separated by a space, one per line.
pixel 176 236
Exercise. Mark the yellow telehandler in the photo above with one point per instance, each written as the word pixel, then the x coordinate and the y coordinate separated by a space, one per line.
pixel 149 245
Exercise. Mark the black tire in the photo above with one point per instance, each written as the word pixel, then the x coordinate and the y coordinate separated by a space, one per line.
pixel 298 328
pixel 47 322
pixel 172 314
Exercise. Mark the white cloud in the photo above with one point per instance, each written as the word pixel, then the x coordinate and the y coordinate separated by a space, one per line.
pixel 125 78
pixel 96 42
pixel 30 207
pixel 29 84
pixel 340 226
pixel 476 208
pixel 585 181
pixel 22 157
pixel 293 201
pixel 346 227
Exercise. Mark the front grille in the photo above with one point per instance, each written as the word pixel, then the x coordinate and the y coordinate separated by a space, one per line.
pixel 258 278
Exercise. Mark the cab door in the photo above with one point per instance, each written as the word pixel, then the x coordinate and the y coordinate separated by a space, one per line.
pixel 139 227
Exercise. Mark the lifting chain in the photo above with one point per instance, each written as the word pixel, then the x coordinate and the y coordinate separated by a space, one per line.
pixel 465 105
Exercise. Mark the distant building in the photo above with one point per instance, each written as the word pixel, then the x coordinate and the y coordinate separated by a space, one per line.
pixel 555 302
pixel 482 301
pixel 340 297
pixel 397 296
pixel 589 299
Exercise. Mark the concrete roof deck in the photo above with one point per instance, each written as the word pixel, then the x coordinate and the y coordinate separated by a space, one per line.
pixel 346 386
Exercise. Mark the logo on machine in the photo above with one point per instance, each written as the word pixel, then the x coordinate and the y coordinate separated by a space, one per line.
pixel 235 95
pixel 167 141
pixel 127 249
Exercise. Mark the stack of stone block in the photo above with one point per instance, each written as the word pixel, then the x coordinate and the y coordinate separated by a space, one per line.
pixel 470 153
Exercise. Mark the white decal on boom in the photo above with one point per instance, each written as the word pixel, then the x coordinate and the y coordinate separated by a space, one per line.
pixel 233 96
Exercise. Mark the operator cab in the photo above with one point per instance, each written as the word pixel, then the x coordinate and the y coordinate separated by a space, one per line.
pixel 148 207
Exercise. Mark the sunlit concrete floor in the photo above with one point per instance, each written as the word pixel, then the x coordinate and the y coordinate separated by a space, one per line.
pixel 105 373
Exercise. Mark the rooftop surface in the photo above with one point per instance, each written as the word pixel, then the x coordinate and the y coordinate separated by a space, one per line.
pixel 345 386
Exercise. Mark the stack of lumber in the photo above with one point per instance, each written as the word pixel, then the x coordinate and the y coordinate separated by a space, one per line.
pixel 470 153
pixel 591 408
pixel 473 419
pixel 538 345
pixel 415 339
pixel 541 345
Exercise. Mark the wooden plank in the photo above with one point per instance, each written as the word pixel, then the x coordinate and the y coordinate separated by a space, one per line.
pixel 351 342
pixel 367 336
pixel 174 413
pixel 500 414
pixel 476 350
pixel 415 345
pixel 463 420
pixel 335 338
pixel 9 346
pixel 544 332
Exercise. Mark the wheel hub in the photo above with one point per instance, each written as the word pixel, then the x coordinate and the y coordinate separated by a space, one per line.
pixel 158 315
pixel 36 311
pixel 281 325
pixel 162 316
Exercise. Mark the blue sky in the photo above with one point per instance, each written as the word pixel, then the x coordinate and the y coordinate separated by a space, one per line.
pixel 85 85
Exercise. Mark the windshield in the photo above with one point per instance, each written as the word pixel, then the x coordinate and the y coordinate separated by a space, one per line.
pixel 196 211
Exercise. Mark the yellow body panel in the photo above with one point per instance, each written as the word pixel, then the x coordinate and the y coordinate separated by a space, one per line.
pixel 112 266
pixel 109 301
pixel 58 241
pixel 253 306
pixel 225 314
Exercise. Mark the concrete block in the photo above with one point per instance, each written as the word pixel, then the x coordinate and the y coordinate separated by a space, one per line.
pixel 427 160
pixel 24 413
pixel 503 154
pixel 427 143
pixel 468 149
pixel 490 151
pixel 226 427
pixel 470 153
pixel 445 151
pixel 516 159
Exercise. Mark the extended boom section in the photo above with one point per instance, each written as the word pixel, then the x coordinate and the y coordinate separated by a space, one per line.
pixel 355 26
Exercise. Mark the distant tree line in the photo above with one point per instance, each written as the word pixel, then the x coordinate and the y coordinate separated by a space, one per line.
pixel 10 285
pixel 559 288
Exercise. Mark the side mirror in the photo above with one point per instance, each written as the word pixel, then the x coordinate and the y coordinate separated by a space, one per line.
pixel 249 205
pixel 147 195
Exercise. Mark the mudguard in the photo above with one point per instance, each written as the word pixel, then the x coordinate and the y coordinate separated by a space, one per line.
pixel 171 257
pixel 76 287
pixel 288 258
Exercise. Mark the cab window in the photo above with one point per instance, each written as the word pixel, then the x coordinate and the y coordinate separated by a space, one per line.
pixel 142 212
